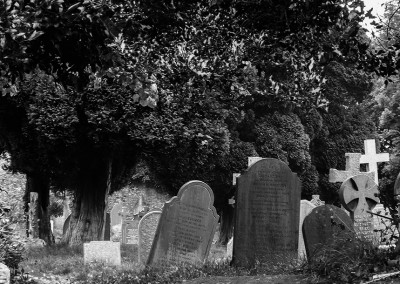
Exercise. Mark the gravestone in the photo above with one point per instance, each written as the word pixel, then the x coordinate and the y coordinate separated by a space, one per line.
pixel 34 215
pixel 115 214
pixel 5 274
pixel 323 225
pixel 371 158
pixel 147 229
pixel 358 195
pixel 267 213
pixel 305 208
pixel 102 251
pixel 130 231
pixel 316 201
pixel 352 169
pixel 186 227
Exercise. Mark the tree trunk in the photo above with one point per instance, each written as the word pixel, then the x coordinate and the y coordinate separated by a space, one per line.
pixel 40 184
pixel 87 222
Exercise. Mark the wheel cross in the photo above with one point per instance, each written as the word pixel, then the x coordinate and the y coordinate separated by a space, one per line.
pixel 358 195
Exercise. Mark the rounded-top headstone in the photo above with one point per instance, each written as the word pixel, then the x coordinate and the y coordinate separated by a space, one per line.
pixel 323 225
pixel 147 229
pixel 267 213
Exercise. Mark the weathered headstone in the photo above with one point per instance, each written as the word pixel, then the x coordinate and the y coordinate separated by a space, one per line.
pixel 323 225
pixel 371 158
pixel 130 231
pixel 352 169
pixel 186 227
pixel 305 208
pixel 115 214
pixel 147 230
pixel 267 213
pixel 102 251
pixel 5 274
pixel 358 195
pixel 316 201
pixel 34 215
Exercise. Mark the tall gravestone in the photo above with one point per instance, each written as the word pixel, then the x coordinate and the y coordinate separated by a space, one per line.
pixel 186 227
pixel 358 196
pixel 147 229
pixel 267 213
pixel 324 225
pixel 305 208
pixel 107 229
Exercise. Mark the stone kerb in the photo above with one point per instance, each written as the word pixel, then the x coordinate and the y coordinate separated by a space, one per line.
pixel 102 251
pixel 267 213
pixel 147 230
pixel 186 227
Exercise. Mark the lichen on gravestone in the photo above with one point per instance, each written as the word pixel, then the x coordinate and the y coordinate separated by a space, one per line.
pixel 147 230
pixel 4 274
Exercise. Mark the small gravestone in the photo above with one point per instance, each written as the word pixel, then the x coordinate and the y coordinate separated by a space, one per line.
pixel 305 208
pixel 102 251
pixel 358 196
pixel 147 229
pixel 316 201
pixel 352 169
pixel 324 225
pixel 186 227
pixel 267 213
pixel 115 214
pixel 4 274
pixel 130 232
pixel 107 229
pixel 371 158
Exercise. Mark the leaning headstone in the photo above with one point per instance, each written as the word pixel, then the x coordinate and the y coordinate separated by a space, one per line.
pixel 186 227
pixel 316 201
pixel 305 208
pixel 102 251
pixel 267 213
pixel 358 196
pixel 147 229
pixel 34 215
pixel 371 158
pixel 4 274
pixel 352 169
pixel 115 214
pixel 324 225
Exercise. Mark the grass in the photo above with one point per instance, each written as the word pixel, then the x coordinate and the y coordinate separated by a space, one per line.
pixel 65 262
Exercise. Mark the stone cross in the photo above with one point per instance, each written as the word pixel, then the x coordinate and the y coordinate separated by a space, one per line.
pixel 316 201
pixel 371 158
pixel 352 169
pixel 358 196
